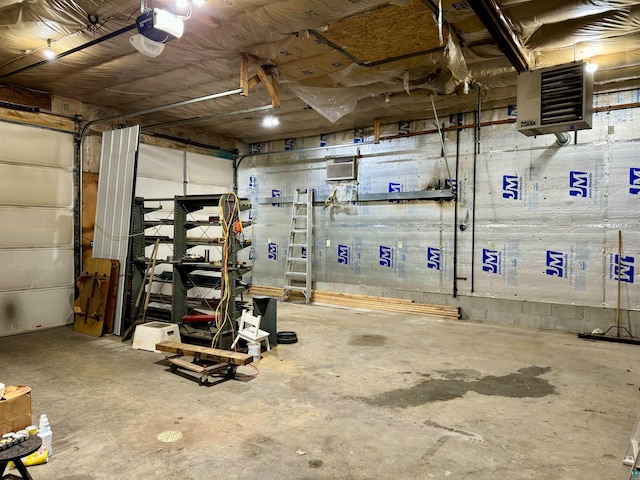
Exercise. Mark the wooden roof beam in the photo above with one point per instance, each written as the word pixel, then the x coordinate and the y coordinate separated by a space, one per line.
pixel 269 79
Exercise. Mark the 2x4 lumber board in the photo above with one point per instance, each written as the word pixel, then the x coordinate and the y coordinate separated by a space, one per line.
pixel 399 305
pixel 182 363
pixel 396 308
pixel 367 298
pixel 451 313
pixel 348 297
pixel 205 353
pixel 253 81
pixel 244 75
pixel 270 82
pixel 268 291
pixel 381 300
pixel 432 313
pixel 336 296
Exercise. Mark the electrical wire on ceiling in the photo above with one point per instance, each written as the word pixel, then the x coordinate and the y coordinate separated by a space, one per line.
pixel 444 154
pixel 73 50
pixel 93 26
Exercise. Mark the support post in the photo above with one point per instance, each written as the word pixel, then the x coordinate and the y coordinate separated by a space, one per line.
pixel 376 130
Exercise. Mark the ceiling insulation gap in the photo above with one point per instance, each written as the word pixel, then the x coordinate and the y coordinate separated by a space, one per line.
pixel 388 33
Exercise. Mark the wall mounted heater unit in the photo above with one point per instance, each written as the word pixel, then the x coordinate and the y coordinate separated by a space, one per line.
pixel 342 168
pixel 555 99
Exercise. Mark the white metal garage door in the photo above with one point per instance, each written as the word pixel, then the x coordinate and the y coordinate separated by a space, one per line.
pixel 36 228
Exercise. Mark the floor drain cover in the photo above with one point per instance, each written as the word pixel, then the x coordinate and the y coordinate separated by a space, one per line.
pixel 170 436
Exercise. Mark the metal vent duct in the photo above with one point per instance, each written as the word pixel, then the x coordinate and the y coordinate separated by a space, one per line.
pixel 562 95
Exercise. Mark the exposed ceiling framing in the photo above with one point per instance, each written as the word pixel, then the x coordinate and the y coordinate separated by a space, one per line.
pixel 502 32
pixel 383 59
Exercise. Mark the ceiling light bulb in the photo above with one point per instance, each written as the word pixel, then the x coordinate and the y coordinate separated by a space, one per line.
pixel 181 4
pixel 591 67
pixel 198 3
pixel 49 53
pixel 270 121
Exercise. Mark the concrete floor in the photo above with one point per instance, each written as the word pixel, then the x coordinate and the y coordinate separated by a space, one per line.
pixel 362 395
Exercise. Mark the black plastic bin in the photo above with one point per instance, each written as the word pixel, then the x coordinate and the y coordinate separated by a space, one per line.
pixel 266 307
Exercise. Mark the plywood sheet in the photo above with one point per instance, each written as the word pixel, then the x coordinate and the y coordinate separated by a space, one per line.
pixel 386 33
pixel 89 197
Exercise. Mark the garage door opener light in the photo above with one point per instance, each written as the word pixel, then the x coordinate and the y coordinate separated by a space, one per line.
pixel 160 25
pixel 146 46
pixel 155 28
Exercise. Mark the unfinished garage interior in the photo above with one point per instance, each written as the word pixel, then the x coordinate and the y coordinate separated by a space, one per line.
pixel 433 207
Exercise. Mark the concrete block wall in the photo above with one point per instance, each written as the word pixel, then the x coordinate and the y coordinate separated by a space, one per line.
pixel 547 316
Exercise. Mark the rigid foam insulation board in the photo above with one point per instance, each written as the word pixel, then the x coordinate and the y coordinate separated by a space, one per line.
pixel 546 217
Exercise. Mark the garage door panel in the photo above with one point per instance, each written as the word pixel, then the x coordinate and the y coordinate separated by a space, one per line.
pixel 31 227
pixel 202 166
pixel 156 188
pixel 35 146
pixel 25 269
pixel 36 186
pixel 36 228
pixel 160 163
pixel 35 309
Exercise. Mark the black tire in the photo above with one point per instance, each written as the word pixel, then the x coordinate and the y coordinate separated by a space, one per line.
pixel 287 337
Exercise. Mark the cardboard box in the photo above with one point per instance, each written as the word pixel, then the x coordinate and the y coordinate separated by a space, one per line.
pixel 15 409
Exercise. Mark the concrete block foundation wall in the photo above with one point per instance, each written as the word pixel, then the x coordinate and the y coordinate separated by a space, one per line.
pixel 548 316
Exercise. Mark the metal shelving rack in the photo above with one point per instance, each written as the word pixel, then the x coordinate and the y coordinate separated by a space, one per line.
pixel 185 270
pixel 138 261
pixel 230 271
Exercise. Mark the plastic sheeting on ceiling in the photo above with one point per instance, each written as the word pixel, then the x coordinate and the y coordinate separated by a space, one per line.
pixel 591 30
pixel 113 75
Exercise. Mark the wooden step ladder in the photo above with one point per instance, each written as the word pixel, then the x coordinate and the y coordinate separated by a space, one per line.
pixel 147 281
pixel 298 272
